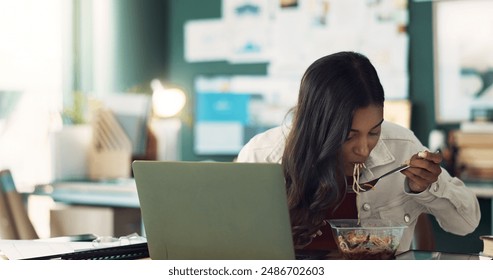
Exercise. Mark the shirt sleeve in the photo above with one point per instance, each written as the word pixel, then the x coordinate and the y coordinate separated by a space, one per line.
pixel 455 207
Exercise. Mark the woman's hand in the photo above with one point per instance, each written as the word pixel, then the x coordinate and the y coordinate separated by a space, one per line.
pixel 424 170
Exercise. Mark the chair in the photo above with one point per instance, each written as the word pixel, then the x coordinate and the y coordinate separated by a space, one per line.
pixel 424 237
pixel 14 220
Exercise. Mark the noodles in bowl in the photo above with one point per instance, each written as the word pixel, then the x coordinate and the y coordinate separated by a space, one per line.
pixel 368 240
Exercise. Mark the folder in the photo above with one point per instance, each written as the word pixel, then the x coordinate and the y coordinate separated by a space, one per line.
pixel 7 226
pixel 20 224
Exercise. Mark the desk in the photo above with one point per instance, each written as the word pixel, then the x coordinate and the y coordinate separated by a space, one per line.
pixel 123 193
pixel 407 255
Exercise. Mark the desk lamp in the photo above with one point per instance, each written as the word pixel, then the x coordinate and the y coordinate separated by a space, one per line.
pixel 166 104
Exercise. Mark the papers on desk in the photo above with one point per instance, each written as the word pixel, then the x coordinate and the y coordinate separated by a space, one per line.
pixel 57 247
pixel 23 249
pixel 484 257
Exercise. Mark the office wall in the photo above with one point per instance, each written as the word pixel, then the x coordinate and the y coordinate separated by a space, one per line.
pixel 182 73
pixel 120 45
pixel 421 91
pixel 142 40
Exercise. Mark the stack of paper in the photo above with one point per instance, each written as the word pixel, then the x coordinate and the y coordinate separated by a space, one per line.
pixel 487 245
pixel 23 249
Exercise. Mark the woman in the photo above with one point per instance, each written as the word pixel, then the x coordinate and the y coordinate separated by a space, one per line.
pixel 337 125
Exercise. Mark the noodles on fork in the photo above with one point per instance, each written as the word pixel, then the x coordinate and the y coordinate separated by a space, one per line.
pixel 356 173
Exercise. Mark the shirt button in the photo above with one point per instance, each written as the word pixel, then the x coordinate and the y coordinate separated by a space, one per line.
pixel 366 207
pixel 435 188
pixel 407 218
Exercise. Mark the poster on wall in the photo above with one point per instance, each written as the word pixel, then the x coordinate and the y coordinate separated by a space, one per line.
pixel 463 59
pixel 205 40
pixel 247 29
pixel 239 107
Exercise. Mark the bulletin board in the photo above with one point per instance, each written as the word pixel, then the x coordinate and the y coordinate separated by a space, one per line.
pixel 288 37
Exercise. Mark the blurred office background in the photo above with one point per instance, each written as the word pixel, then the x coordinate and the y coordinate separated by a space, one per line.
pixel 52 52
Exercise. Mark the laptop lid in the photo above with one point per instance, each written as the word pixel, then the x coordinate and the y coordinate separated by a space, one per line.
pixel 214 210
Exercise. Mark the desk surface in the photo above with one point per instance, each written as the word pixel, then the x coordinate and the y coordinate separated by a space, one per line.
pixel 116 193
pixel 123 193
pixel 407 255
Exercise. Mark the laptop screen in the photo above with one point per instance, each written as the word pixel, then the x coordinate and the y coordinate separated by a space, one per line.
pixel 213 210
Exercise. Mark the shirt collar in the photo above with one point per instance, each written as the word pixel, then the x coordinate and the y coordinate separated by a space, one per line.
pixel 380 155
pixel 278 150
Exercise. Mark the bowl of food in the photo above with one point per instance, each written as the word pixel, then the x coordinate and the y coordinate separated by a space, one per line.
pixel 371 239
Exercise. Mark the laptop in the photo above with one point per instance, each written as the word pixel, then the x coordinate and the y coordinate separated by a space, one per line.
pixel 214 210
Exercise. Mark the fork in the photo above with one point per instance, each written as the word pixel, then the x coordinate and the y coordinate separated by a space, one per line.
pixel 366 185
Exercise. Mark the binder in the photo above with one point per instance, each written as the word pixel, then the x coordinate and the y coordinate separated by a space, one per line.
pixel 19 218
pixel 7 226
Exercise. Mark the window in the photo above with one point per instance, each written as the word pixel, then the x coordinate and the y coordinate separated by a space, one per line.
pixel 31 55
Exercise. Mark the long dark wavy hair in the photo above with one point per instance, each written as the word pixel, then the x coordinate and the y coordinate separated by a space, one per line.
pixel 331 90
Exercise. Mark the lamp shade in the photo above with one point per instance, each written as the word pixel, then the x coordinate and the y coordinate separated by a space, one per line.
pixel 166 102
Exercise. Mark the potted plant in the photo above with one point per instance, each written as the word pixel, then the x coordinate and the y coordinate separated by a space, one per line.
pixel 71 144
